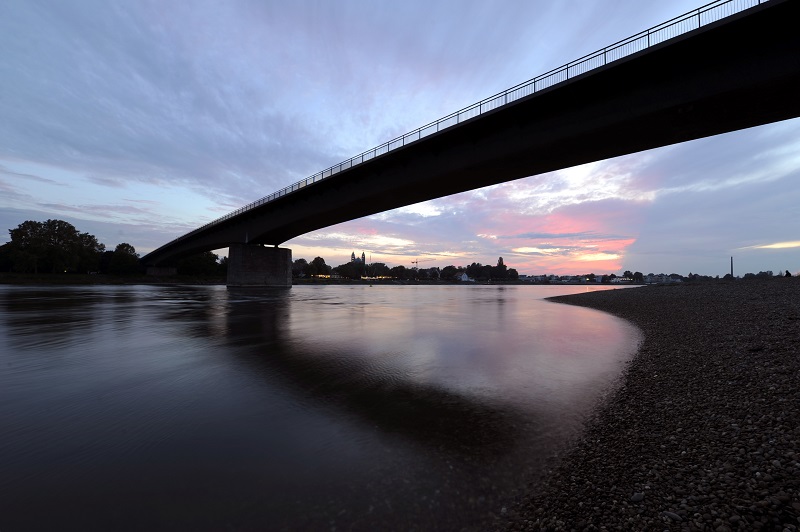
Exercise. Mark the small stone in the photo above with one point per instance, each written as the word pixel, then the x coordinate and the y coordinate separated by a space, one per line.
pixel 637 497
pixel 672 515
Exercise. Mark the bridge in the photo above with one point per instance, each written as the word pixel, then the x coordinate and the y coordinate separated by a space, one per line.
pixel 729 65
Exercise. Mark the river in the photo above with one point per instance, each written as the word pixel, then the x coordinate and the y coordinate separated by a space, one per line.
pixel 316 408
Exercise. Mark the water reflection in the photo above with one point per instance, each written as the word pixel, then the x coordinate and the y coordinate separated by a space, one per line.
pixel 383 396
pixel 355 407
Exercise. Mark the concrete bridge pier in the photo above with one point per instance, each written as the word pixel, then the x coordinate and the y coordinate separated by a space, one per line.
pixel 255 265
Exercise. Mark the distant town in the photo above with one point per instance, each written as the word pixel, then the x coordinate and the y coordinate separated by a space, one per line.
pixel 359 269
pixel 57 247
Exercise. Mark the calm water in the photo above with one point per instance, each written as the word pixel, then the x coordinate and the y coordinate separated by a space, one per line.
pixel 315 408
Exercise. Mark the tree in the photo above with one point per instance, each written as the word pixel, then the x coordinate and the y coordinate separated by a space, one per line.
pixel 61 239
pixel 500 271
pixel 399 272
pixel 6 264
pixel 638 277
pixel 318 267
pixel 200 264
pixel 89 251
pixel 479 272
pixel 379 269
pixel 299 267
pixel 54 246
pixel 105 262
pixel 125 260
pixel 448 273
pixel 513 274
pixel 348 270
pixel 29 246
pixel 126 249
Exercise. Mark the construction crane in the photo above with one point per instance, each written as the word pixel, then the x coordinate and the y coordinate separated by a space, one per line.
pixel 417 261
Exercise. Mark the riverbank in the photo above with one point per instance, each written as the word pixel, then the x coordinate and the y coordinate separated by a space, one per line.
pixel 103 279
pixel 704 431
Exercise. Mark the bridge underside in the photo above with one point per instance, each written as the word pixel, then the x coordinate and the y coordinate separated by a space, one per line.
pixel 740 72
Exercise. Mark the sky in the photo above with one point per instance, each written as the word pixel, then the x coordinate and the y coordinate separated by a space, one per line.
pixel 140 121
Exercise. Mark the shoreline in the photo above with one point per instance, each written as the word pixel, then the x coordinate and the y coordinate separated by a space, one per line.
pixel 57 279
pixel 703 432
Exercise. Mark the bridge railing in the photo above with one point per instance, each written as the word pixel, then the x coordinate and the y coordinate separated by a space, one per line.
pixel 665 31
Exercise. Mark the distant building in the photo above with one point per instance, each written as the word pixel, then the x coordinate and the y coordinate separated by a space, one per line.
pixel 362 260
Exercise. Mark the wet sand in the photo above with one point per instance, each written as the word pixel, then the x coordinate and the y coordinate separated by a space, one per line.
pixel 703 432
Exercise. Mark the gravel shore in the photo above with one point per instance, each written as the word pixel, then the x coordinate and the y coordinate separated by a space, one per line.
pixel 704 430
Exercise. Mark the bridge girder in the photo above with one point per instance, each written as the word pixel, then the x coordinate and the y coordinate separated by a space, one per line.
pixel 740 72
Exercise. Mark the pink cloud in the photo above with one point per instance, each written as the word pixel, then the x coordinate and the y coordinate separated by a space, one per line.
pixel 480 226
pixel 580 238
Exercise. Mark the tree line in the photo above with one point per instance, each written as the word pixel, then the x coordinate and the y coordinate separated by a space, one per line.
pixel 56 246
pixel 356 270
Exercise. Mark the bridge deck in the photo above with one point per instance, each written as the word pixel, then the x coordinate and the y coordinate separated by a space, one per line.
pixel 712 80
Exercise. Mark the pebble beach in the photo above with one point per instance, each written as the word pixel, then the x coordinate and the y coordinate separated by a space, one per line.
pixel 703 430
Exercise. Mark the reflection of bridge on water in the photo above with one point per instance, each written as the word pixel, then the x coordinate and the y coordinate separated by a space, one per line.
pixel 730 65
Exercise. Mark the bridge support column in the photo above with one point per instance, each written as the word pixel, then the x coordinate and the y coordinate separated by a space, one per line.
pixel 254 265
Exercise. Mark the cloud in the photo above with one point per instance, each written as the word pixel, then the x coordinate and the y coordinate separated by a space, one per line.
pixel 583 235
pixel 776 245
pixel 700 231
pixel 108 181
pixel 362 241
pixel 30 177
pixel 11 192
pixel 426 209
pixel 597 257
pixel 545 250
pixel 201 108
pixel 117 97
pixel 108 211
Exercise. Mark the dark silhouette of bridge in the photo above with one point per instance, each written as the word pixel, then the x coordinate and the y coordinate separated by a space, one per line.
pixel 726 66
